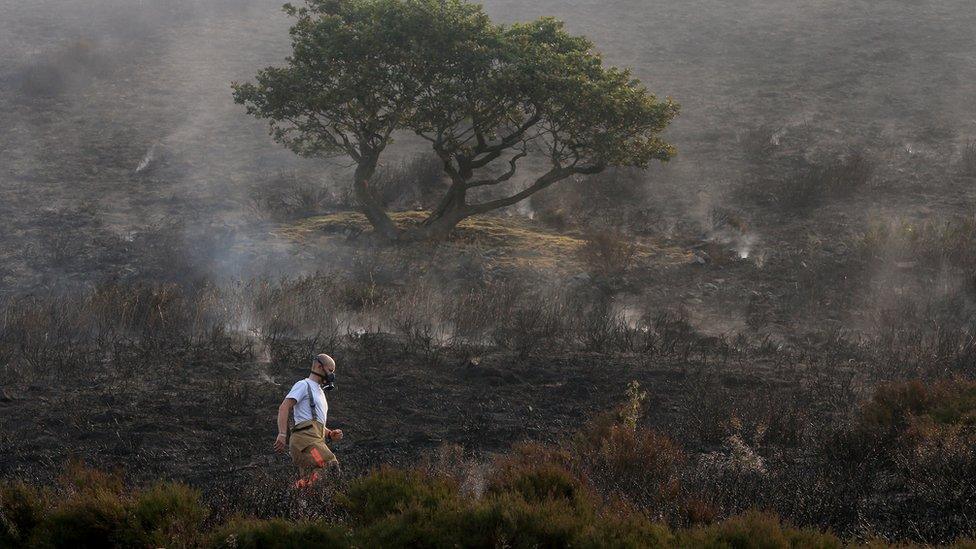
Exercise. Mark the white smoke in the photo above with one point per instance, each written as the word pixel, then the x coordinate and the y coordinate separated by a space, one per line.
pixel 148 159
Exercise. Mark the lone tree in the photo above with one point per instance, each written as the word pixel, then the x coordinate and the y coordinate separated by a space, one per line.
pixel 487 98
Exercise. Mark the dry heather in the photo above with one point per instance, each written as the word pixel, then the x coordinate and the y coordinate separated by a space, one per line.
pixel 504 241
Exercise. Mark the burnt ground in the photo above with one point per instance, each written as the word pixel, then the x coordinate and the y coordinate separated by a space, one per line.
pixel 211 423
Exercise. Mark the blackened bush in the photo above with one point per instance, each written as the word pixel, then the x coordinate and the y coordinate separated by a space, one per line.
pixel 759 144
pixel 534 322
pixel 670 333
pixel 599 327
pixel 794 184
pixel 608 199
pixel 289 196
pixel 42 79
pixel 608 253
pixel 412 184
pixel 843 175
pixel 930 246
pixel 968 163
pixel 902 469
pixel 53 73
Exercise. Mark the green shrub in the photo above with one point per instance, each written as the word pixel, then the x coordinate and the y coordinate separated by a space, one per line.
pixel 22 508
pixel 279 534
pixel 388 490
pixel 755 531
pixel 88 519
pixel 167 515
pixel 508 520
pixel 532 500
pixel 536 482
pixel 536 504
pixel 625 532
pixel 90 513
pixel 79 478
pixel 519 523
pixel 93 509
pixel 448 524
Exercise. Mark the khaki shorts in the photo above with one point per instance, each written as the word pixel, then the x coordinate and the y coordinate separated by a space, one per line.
pixel 307 446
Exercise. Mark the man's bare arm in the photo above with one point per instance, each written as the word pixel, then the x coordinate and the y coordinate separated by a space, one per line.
pixel 283 411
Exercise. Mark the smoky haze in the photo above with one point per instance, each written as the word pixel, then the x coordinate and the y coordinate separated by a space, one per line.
pixel 119 130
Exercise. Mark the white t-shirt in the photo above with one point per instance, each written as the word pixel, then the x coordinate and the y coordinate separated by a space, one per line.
pixel 302 410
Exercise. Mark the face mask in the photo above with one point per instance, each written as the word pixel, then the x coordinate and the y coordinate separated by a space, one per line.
pixel 328 380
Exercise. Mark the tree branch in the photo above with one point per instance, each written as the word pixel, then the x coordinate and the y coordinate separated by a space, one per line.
pixel 550 177
pixel 502 178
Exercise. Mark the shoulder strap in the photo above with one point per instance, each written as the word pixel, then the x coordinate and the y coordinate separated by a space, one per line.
pixel 311 400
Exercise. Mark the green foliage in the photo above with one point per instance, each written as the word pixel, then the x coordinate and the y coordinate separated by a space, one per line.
pixel 361 70
pixel 22 508
pixel 91 514
pixel 88 519
pixel 388 490
pixel 755 531
pixel 93 509
pixel 344 89
pixel 84 480
pixel 278 534
pixel 537 483
pixel 534 502
pixel 166 515
pixel 538 508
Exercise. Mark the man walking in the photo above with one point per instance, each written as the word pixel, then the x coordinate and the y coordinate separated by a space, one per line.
pixel 309 435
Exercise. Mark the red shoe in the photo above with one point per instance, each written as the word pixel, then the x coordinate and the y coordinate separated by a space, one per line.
pixel 306 482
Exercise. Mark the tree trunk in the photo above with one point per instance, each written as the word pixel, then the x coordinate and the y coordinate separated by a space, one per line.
pixel 368 202
pixel 439 227
pixel 445 216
